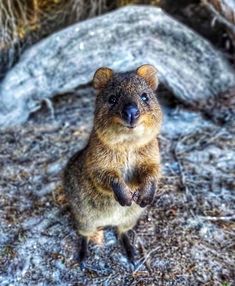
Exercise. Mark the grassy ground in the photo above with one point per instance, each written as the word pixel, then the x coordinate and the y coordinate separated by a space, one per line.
pixel 185 238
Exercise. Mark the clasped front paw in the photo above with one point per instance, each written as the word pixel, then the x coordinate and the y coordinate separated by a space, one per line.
pixel 144 196
pixel 123 199
pixel 122 194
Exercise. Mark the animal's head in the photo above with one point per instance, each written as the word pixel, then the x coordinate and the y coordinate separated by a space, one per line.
pixel 127 109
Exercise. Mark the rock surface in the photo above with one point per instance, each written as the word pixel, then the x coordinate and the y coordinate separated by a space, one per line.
pixel 188 65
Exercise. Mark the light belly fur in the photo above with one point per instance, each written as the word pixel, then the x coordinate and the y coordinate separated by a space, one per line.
pixel 118 215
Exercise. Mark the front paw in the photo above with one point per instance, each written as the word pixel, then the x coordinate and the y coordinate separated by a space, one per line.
pixel 122 195
pixel 123 199
pixel 145 195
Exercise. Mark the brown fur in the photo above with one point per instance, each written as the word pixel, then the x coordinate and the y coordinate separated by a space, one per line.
pixel 116 174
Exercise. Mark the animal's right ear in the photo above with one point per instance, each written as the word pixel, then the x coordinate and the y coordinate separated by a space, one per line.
pixel 101 77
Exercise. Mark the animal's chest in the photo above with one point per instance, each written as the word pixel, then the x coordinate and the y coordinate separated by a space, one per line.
pixel 129 167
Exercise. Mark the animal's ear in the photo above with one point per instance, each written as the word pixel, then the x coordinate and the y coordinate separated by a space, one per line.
pixel 101 77
pixel 149 73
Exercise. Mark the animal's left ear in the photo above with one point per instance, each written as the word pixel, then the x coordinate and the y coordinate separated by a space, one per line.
pixel 101 77
pixel 149 73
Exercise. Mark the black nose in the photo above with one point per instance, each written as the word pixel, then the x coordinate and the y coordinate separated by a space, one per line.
pixel 130 113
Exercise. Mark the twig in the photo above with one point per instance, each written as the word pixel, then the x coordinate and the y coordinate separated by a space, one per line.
pixel 224 15
pixel 218 218
pixel 146 257
pixel 143 251
pixel 181 171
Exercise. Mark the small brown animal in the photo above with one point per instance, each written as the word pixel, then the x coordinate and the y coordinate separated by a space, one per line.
pixel 115 176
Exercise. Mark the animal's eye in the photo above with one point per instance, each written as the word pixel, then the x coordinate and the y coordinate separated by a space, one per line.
pixel 144 97
pixel 112 99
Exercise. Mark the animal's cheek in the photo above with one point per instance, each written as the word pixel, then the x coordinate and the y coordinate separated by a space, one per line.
pixel 101 114
pixel 147 119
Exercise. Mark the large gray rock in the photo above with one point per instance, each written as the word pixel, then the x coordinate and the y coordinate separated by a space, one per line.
pixel 122 40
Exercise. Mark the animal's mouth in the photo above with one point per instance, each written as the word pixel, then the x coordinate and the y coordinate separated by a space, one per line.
pixel 130 126
pixel 137 123
pixel 127 126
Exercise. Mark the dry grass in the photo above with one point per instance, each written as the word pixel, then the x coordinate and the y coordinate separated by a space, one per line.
pixel 22 22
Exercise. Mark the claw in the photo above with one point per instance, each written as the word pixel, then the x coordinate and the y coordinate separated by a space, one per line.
pixel 145 196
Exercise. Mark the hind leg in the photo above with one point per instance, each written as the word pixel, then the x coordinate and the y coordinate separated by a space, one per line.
pixel 128 247
pixel 83 249
pixel 132 216
pixel 125 241
pixel 95 236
